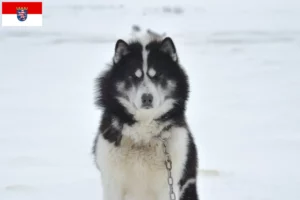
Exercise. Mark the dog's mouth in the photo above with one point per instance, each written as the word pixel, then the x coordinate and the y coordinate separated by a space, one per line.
pixel 147 107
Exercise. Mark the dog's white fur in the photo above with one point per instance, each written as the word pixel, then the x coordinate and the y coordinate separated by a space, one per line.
pixel 135 171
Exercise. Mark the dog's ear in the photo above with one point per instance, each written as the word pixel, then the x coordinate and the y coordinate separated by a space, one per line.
pixel 121 49
pixel 167 46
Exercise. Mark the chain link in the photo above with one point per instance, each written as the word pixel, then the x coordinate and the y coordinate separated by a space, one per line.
pixel 168 164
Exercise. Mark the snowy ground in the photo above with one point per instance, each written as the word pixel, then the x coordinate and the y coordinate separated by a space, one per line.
pixel 243 58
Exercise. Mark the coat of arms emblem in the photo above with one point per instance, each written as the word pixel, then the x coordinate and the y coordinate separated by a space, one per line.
pixel 22 13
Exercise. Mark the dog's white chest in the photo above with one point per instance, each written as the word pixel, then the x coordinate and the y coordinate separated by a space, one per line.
pixel 139 171
pixel 138 168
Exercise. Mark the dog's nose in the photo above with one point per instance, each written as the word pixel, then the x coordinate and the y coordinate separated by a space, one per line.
pixel 147 100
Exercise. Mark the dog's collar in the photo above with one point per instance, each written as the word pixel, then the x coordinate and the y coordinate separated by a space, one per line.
pixel 161 135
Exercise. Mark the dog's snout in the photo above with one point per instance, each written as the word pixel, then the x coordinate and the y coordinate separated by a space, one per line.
pixel 147 100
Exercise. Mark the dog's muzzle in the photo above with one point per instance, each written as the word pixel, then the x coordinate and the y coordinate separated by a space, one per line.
pixel 147 101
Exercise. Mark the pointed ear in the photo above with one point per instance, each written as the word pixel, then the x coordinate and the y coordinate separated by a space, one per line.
pixel 167 46
pixel 121 49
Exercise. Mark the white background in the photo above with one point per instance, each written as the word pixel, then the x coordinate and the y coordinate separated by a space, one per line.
pixel 12 20
pixel 243 59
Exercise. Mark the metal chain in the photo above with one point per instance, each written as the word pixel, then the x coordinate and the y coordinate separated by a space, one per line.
pixel 168 164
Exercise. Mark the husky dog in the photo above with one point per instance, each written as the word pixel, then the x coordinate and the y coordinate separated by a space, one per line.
pixel 143 95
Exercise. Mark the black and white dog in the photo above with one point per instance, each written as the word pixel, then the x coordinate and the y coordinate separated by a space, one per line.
pixel 143 96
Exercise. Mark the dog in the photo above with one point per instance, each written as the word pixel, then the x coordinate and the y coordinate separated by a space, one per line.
pixel 144 148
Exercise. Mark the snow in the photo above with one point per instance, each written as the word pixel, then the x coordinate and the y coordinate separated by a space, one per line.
pixel 243 60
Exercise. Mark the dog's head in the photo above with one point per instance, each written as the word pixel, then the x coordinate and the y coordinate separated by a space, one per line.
pixel 145 81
